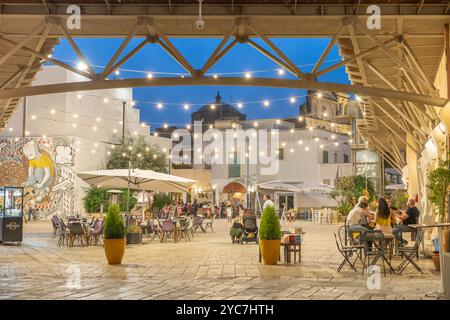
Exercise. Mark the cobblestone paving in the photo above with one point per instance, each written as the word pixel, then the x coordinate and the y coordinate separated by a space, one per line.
pixel 209 267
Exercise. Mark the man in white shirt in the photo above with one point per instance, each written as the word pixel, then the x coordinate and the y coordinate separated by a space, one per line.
pixel 267 202
pixel 356 215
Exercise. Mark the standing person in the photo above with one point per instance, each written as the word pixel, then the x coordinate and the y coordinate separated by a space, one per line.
pixel 410 217
pixel 267 201
pixel 229 212
pixel 384 217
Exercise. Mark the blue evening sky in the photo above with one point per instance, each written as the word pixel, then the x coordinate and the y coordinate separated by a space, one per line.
pixel 241 58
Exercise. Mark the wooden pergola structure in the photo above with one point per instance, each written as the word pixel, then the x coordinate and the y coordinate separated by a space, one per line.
pixel 392 70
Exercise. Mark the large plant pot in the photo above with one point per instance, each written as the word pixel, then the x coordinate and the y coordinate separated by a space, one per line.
pixel 270 251
pixel 134 238
pixel 436 260
pixel 114 250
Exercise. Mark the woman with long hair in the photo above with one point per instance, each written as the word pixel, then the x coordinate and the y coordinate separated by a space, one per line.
pixel 384 217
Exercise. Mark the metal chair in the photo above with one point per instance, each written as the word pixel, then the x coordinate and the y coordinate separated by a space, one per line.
pixel 63 234
pixel 209 223
pixel 76 232
pixel 409 253
pixel 347 253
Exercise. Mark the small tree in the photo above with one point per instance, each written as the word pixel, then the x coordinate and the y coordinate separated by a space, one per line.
pixel 123 199
pixel 114 227
pixel 352 187
pixel 269 228
pixel 94 198
pixel 142 155
pixel 438 184
pixel 160 200
pixel 399 199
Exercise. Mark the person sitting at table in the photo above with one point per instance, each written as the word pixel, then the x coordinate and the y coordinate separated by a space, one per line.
pixel 384 217
pixel 357 217
pixel 236 230
pixel 410 217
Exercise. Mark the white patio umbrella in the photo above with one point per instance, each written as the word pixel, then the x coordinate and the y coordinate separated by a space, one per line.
pixel 138 179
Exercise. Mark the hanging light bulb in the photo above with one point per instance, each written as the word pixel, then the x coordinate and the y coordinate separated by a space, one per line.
pixel 248 75
pixel 255 124
pixel 149 75
pixel 333 136
pixel 215 76
pixel 316 139
pixel 117 72
pixel 98 119
pixel 115 130
pixel 53 111
pixel 212 106
pixel 159 105
pixel 300 141
pixel 280 72
pixel 79 95
pixel 300 118
pixel 186 106
pixel 266 103
pixel 292 100
pixel 306 148
pixel 165 125
pixel 133 103
pixel 292 130
pixel 33 117
pixel 278 121
pixel 321 146
pixel 82 66
pixel 188 127
pixel 319 95
pixel 336 144
pixel 75 116
pixel 105 100
pixel 239 105
pixel 143 124
pixel 74 125
pixel 94 128
pixel 291 150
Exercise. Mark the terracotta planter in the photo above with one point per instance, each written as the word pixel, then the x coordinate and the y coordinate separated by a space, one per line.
pixel 436 261
pixel 270 251
pixel 114 250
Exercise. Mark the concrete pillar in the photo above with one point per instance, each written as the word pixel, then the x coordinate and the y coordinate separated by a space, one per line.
pixel 411 165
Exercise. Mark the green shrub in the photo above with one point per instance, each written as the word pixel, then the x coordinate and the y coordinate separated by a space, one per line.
pixel 344 208
pixel 94 198
pixel 269 228
pixel 123 199
pixel 114 227
pixel 160 200
pixel 134 229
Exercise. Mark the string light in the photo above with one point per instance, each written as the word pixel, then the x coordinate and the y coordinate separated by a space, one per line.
pixel 292 100
pixel 105 100
pixel 248 75
pixel 239 105
pixel 300 118
pixel 33 117
pixel 319 94
pixel 306 148
pixel 186 107
pixel 159 105
pixel 212 106
pixel 149 75
pixel 75 116
pixel 281 72
pixel 215 76
pixel 165 125
pixel 79 95
pixel 53 111
pixel 266 103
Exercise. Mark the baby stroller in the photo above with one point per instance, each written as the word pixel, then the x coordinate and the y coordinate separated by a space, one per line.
pixel 250 229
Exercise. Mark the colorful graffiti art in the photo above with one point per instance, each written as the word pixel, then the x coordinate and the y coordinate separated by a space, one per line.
pixel 44 167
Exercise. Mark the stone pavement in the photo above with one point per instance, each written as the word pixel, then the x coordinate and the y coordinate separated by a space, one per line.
pixel 209 267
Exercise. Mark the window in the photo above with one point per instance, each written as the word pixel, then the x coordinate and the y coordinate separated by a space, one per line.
pixel 346 160
pixel 326 181
pixel 335 158
pixel 280 154
pixel 325 156
pixel 234 169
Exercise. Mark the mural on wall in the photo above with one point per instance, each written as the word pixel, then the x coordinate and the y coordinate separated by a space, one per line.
pixel 44 167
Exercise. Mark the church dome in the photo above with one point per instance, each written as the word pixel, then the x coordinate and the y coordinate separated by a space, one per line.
pixel 217 110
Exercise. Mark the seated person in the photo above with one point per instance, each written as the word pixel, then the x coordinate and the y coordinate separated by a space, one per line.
pixel 410 217
pixel 357 218
pixel 236 230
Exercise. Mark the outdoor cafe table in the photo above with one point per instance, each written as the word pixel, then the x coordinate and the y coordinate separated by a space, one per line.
pixel 441 250
pixel 381 251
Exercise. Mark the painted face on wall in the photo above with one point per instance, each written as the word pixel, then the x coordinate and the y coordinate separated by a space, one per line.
pixel 31 150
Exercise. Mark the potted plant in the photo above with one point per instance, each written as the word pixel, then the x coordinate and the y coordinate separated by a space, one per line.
pixel 114 235
pixel 270 236
pixel 134 235
pixel 438 184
